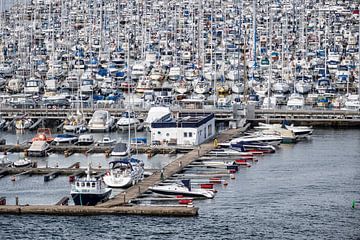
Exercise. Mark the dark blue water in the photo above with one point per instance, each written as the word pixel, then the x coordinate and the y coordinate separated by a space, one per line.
pixel 303 191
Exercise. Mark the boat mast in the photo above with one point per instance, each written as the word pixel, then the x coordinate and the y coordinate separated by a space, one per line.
pixel 254 36
pixel 270 59
pixel 359 57
pixel 211 53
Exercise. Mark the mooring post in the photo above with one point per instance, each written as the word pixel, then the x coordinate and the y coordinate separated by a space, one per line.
pixel 124 197
pixel 17 200
pixel 162 175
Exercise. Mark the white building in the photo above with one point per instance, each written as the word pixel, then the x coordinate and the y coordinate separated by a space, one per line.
pixel 186 129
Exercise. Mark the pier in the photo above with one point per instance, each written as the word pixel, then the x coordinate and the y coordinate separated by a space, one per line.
pixel 313 116
pixel 119 205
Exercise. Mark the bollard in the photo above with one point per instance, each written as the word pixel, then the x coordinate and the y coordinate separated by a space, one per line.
pixel 17 201
pixel 162 175
pixel 124 197
pixel 139 190
pixel 353 204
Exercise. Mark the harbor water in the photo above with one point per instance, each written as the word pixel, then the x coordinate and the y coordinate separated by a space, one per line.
pixel 303 191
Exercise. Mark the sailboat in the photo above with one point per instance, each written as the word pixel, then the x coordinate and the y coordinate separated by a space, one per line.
pixel 126 171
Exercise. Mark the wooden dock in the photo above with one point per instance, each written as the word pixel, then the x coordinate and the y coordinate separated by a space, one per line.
pixel 69 149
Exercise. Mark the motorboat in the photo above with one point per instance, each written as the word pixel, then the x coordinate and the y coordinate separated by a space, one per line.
pixel 120 150
pixel 65 138
pixel 124 173
pixel 268 139
pixel 101 121
pixel 182 188
pixel 38 149
pixel 24 162
pixel 106 141
pixel 85 140
pixel 300 131
pixel 89 191
pixel 127 121
pixel 43 134
pixel 253 147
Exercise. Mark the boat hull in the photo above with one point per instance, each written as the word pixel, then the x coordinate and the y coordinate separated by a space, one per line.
pixel 183 193
pixel 90 199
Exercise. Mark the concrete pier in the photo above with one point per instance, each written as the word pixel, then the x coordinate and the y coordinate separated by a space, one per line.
pixel 87 211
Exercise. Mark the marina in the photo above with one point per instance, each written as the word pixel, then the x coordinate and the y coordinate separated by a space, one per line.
pixel 229 113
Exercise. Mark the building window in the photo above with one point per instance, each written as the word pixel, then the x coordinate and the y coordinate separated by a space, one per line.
pixel 159 132
pixel 190 134
pixel 200 132
pixel 210 129
pixel 185 134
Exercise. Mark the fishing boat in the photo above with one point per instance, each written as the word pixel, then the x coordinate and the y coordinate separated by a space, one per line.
pixel 182 188
pixel 89 191
pixel 124 173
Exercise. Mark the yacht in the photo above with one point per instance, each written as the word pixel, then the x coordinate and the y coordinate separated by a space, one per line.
pixel 89 191
pixel 124 173
pixel 101 121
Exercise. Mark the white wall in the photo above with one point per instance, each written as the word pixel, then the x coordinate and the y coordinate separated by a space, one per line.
pixel 198 135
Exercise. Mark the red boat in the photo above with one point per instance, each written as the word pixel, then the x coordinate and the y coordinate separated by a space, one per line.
pixel 43 134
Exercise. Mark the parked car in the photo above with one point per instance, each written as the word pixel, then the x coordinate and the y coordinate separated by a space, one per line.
pixel 56 103
pixel 24 103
